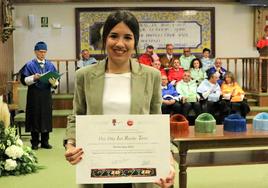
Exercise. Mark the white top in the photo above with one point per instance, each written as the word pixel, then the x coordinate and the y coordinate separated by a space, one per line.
pixel 169 57
pixel 117 93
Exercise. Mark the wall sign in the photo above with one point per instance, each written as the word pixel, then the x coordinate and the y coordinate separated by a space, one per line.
pixel 181 26
pixel 44 21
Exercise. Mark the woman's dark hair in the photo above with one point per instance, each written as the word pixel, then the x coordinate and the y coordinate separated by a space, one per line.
pixel 196 59
pixel 121 16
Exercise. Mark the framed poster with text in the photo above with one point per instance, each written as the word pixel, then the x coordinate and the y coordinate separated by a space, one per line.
pixel 182 26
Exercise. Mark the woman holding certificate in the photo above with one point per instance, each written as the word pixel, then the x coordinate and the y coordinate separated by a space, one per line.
pixel 116 85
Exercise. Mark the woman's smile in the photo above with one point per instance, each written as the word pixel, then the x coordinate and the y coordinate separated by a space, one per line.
pixel 119 51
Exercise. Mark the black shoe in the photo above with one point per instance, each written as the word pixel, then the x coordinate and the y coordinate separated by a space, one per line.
pixel 34 147
pixel 46 146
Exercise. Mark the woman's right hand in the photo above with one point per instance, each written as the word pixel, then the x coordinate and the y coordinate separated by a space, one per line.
pixel 73 155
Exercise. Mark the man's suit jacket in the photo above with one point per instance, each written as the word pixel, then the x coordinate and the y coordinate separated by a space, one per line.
pixel 165 62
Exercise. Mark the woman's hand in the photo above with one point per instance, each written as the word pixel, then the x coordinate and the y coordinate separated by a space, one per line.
pixel 73 155
pixel 169 180
pixel 233 92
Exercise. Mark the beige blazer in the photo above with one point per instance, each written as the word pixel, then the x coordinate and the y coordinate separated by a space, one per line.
pixel 89 85
pixel 88 96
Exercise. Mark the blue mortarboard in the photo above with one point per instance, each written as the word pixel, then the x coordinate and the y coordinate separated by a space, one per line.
pixel 234 123
pixel 40 46
pixel 260 121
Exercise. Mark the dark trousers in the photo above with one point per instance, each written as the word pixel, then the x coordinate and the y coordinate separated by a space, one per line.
pixel 218 109
pixel 187 107
pixel 174 108
pixel 35 138
pixel 239 107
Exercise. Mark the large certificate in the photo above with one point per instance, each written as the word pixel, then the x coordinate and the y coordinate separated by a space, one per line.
pixel 123 148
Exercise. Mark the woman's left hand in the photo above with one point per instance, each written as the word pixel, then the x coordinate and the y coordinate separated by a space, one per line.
pixel 169 180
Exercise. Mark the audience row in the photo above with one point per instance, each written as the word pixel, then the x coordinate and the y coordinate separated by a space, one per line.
pixel 209 96
pixel 191 86
pixel 174 67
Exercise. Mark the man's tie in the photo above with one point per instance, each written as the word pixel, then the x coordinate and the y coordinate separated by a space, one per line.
pixel 42 65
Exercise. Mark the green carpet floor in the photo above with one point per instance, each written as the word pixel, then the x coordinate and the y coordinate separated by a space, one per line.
pixel 59 174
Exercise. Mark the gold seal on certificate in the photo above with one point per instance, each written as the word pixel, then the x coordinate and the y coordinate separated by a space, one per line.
pixel 123 148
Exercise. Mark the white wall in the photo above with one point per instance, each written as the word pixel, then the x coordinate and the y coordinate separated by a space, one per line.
pixel 233 29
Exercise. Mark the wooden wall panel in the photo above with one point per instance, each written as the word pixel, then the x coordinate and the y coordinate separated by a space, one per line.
pixel 6 60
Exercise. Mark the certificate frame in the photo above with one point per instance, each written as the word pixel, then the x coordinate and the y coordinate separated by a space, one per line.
pixel 90 20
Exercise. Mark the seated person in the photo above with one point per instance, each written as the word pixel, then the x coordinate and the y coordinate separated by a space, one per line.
pixel 155 57
pixel 175 74
pixel 168 58
pixel 85 59
pixel 233 94
pixel 146 58
pixel 157 64
pixel 186 58
pixel 197 73
pixel 207 62
pixel 170 98
pixel 188 95
pixel 218 68
pixel 210 93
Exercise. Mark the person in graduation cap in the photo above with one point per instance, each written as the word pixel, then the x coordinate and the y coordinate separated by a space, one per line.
pixel 39 98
